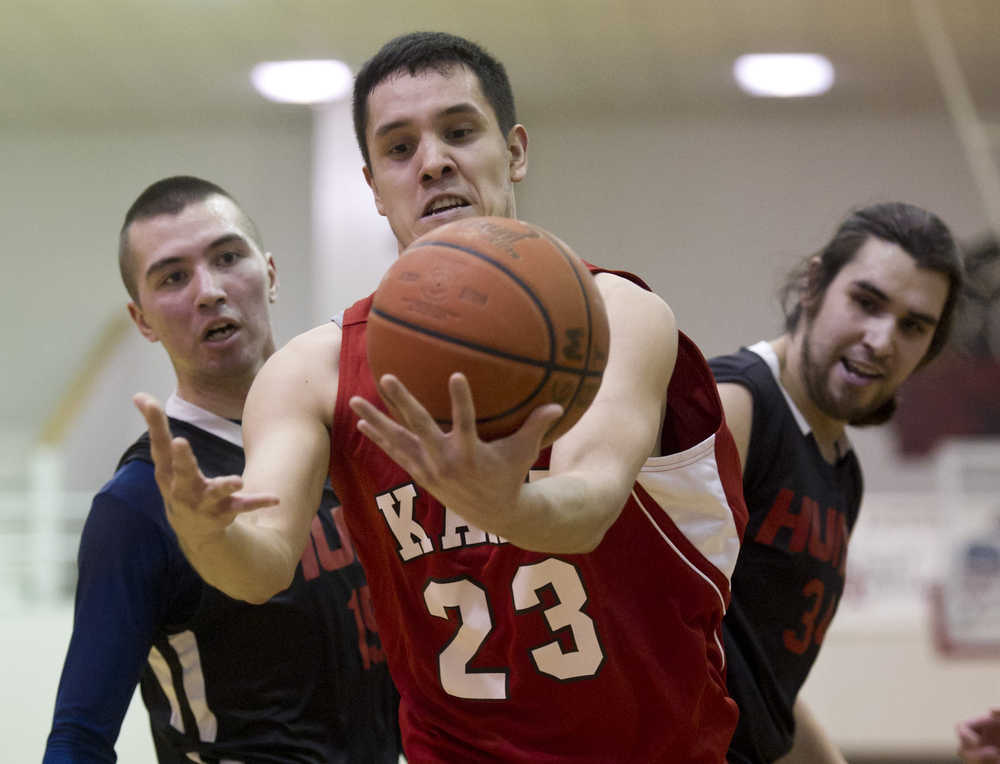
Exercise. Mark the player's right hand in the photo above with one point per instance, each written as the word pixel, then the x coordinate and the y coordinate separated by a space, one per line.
pixel 979 739
pixel 199 509
pixel 478 480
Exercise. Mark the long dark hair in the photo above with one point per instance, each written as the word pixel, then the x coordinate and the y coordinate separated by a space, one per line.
pixel 921 234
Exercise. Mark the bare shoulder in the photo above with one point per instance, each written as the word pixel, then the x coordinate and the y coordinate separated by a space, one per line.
pixel 321 340
pixel 643 309
pixel 302 375
pixel 737 403
pixel 621 426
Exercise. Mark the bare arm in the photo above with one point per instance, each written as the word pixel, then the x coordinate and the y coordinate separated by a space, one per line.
pixel 593 466
pixel 737 403
pixel 245 535
pixel 811 744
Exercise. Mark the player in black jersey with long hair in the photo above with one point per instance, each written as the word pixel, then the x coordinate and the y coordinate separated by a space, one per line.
pixel 872 307
pixel 300 678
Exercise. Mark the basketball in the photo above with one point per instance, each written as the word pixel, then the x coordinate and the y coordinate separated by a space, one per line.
pixel 502 301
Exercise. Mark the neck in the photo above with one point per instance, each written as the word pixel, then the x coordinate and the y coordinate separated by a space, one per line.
pixel 828 432
pixel 225 398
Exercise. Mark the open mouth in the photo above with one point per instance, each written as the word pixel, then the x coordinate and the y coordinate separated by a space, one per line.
pixel 860 370
pixel 221 332
pixel 444 204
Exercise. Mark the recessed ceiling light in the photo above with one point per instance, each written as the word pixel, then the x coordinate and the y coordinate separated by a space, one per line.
pixel 305 82
pixel 783 75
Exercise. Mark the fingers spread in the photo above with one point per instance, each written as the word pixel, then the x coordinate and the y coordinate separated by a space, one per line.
pixel 367 412
pixel 159 428
pixel 249 502
pixel 187 475
pixel 219 488
pixel 463 409
pixel 538 424
pixel 405 408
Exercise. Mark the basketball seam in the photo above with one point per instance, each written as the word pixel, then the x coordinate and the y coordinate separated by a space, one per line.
pixel 550 367
pixel 590 330
pixel 514 277
pixel 547 365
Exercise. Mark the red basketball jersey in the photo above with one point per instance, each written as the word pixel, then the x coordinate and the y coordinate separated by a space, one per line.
pixel 509 655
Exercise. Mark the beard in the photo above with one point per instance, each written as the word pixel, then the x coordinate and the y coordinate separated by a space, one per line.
pixel 814 377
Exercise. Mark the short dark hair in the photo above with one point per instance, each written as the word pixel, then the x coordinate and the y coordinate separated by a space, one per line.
pixel 169 196
pixel 419 51
pixel 919 233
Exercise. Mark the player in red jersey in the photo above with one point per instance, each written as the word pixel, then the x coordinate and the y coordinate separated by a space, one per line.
pixel 574 616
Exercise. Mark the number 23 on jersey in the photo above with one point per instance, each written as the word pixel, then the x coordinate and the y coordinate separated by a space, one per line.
pixel 469 600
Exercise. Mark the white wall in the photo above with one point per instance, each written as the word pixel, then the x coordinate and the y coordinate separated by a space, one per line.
pixel 63 194
pixel 711 212
pixel 353 244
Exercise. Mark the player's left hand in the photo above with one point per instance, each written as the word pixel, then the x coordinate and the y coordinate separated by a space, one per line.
pixel 479 480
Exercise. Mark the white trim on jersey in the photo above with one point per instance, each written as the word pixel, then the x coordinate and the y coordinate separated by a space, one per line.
pixel 767 354
pixel 678 552
pixel 688 488
pixel 162 672
pixel 178 408
pixel 185 647
pixel 722 600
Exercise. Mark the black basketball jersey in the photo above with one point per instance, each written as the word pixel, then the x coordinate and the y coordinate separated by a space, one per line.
pixel 790 572
pixel 300 678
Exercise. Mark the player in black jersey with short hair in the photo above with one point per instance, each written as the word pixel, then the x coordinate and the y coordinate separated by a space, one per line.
pixel 300 678
pixel 872 307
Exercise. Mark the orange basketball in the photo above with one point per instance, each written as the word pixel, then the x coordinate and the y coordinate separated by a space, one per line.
pixel 502 301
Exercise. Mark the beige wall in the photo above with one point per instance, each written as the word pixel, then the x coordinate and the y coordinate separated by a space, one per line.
pixel 63 194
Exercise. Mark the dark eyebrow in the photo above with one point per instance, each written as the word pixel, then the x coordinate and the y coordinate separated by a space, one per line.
pixel 460 108
pixel 162 265
pixel 226 239
pixel 867 286
pixel 168 262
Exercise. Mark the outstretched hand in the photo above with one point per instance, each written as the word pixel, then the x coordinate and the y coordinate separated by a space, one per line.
pixel 979 739
pixel 198 508
pixel 479 480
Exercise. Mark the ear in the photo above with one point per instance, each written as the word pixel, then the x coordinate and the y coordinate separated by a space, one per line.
pixel 517 147
pixel 135 313
pixel 809 287
pixel 370 180
pixel 272 278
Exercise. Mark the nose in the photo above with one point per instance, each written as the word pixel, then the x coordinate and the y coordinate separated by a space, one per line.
pixel 880 335
pixel 435 161
pixel 208 288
